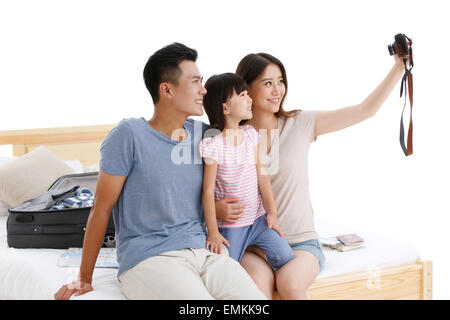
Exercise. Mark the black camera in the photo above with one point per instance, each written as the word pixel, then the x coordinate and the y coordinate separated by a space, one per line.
pixel 400 46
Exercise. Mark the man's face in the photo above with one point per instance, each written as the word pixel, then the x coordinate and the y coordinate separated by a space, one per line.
pixel 188 93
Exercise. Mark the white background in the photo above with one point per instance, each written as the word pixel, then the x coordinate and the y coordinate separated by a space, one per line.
pixel 68 63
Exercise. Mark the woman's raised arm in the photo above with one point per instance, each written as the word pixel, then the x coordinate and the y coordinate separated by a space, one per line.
pixel 334 120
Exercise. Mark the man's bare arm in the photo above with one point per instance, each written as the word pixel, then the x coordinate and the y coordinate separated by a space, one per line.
pixel 106 195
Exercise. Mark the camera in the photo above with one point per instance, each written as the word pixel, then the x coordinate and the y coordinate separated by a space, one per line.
pixel 400 46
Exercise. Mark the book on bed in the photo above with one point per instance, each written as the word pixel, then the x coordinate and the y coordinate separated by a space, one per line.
pixel 343 242
pixel 107 258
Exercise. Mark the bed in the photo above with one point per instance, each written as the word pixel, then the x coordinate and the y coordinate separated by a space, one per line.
pixel 384 269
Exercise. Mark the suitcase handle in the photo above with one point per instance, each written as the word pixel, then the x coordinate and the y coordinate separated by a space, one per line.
pixel 24 218
pixel 61 229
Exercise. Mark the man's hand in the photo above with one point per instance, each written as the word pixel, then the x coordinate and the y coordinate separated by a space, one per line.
pixel 76 287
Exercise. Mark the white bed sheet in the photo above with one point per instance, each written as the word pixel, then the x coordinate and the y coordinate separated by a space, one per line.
pixel 379 252
pixel 34 274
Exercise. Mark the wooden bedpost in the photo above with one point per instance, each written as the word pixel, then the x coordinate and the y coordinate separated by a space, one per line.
pixel 427 285
pixel 19 150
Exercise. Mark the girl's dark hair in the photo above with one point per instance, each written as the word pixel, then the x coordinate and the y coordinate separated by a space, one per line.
pixel 253 65
pixel 220 88
pixel 163 66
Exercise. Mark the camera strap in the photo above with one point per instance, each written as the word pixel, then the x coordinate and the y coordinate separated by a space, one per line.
pixel 407 81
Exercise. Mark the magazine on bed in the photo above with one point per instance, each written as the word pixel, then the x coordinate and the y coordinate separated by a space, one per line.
pixel 107 258
pixel 343 242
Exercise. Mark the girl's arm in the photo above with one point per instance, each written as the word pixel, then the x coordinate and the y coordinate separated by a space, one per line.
pixel 334 120
pixel 265 188
pixel 214 240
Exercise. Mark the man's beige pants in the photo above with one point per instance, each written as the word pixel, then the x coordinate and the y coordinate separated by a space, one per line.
pixel 189 274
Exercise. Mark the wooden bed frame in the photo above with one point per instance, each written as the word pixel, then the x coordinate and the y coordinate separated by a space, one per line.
pixel 411 281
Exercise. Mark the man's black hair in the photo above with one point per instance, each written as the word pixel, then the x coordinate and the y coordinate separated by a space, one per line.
pixel 163 66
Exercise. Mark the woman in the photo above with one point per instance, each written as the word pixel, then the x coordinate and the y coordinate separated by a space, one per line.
pixel 286 158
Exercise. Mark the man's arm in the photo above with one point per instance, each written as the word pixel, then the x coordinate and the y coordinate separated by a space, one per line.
pixel 106 195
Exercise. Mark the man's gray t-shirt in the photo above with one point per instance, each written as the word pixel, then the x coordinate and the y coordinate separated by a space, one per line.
pixel 159 208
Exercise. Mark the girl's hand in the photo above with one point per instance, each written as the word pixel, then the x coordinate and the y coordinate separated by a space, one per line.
pixel 228 210
pixel 272 222
pixel 214 242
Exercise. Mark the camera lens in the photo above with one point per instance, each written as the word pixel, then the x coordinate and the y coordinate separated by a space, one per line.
pixel 391 49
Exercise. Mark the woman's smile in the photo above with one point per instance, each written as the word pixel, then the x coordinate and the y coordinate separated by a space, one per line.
pixel 274 100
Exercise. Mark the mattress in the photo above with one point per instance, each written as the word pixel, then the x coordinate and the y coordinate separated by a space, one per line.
pixel 34 274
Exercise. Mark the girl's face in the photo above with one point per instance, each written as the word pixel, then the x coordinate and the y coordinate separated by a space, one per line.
pixel 238 106
pixel 268 90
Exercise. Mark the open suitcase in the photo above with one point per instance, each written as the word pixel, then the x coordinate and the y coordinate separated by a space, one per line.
pixel 56 229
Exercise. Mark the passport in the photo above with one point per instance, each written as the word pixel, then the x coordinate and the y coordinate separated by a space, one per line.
pixel 350 239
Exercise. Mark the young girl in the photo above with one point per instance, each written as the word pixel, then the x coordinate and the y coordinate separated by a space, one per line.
pixel 232 169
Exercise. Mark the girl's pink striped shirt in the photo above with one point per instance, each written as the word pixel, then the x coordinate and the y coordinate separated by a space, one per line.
pixel 236 174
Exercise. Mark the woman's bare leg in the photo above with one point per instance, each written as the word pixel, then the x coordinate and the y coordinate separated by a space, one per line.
pixel 295 277
pixel 260 271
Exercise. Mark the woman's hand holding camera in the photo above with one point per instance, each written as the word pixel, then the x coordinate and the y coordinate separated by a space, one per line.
pixel 400 49
pixel 400 61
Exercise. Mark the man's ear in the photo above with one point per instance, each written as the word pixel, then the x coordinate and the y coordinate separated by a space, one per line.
pixel 165 90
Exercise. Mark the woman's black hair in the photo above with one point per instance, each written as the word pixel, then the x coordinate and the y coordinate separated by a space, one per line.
pixel 253 65
pixel 220 88
pixel 163 66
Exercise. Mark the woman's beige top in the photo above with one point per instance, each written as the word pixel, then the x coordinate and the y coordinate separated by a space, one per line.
pixel 287 165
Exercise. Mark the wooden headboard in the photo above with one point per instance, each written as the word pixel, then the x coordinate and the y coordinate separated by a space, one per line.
pixel 68 143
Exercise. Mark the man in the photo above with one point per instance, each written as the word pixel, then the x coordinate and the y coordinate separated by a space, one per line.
pixel 156 198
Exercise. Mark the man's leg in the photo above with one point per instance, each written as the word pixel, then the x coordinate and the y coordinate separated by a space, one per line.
pixel 171 275
pixel 226 279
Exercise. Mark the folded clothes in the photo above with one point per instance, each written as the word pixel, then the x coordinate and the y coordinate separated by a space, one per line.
pixel 58 207
pixel 47 200
pixel 79 201
pixel 84 190
pixel 70 197
pixel 83 197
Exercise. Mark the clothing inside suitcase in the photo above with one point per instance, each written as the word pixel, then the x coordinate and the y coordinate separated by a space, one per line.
pixel 56 229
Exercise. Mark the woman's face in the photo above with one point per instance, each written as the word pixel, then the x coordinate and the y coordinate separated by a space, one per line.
pixel 267 91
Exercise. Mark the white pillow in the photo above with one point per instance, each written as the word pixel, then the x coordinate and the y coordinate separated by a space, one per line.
pixel 75 165
pixel 4 209
pixel 30 175
pixel 5 160
pixel 92 168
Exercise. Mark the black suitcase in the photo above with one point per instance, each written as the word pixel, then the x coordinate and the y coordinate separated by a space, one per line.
pixel 56 229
